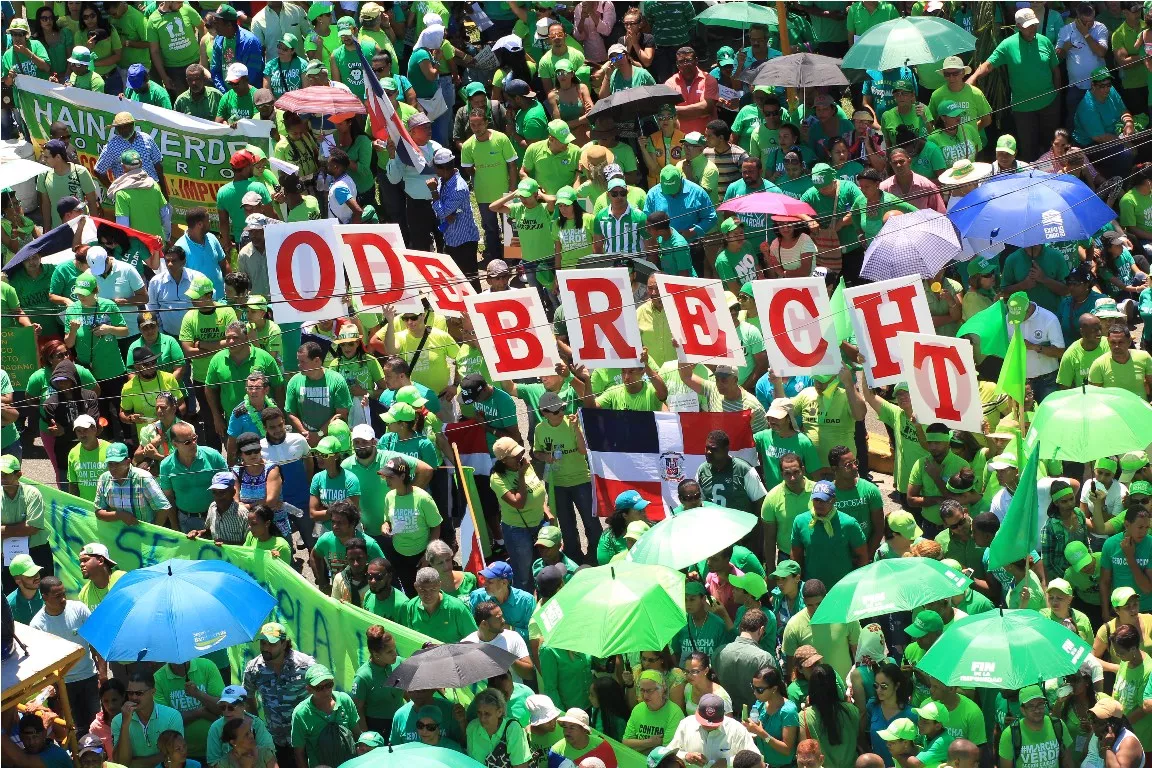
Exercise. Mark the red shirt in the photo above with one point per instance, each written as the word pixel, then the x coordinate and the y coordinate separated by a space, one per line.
pixel 704 86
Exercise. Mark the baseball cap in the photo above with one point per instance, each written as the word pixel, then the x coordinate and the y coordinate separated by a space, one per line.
pixel 671 180
pixel 566 195
pixel 232 694
pixel 1025 18
pixel 751 582
pixel 472 89
pixel 1100 74
pixel 1027 693
pixel 96 549
pixel 273 632
pixel 1131 463
pixel 317 674
pixel 786 568
pixel 315 67
pixel 289 40
pixel 236 71
pixel 328 446
pixel 1140 488
pixel 1082 275
pixel 257 302
pixel 97 259
pixel 617 183
pixel 137 75
pixel 636 529
pixel 241 159
pixel 578 717
pixel 471 385
pixel 710 710
pixel 823 174
pixel 807 656
pixel 116 452
pixel 200 287
pixel 66 205
pixel 263 96
pixel 1106 308
pixel 725 370
pixel 1077 555
pixel 395 467
pixel 1004 461
pixel 903 523
pixel 631 500
pixel 903 85
pixel 781 408
pixel 730 225
pixel 316 10
pixel 551 402
pixel 89 742
pixel 83 421
pixel 824 490
pixel 952 109
pixel 371 739
pixel 23 565
pixel 346 26
pixel 954 62
pixel 1060 585
pixel 725 59
pixel 222 481
pixel 900 729
pixel 505 447
pixel 82 56
pixel 730 300
pixel 934 710
pixel 517 87
pixel 257 221
pixel 527 187
pixel 616 48
pixel 410 395
pixel 1107 708
pixel 247 440
pixel 559 130
pixel 549 578
pixel 1006 143
pixel 696 139
pixel 226 12
pixel 363 432
pixel 926 622
pixel 399 412
pixel 252 197
pixel 549 536
pixel 85 283
pixel 442 156
pixel 498 570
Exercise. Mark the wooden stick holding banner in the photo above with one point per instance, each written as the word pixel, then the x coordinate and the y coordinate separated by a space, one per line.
pixel 471 505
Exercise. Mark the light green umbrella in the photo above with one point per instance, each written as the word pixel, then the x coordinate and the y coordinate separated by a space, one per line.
pixel 1088 423
pixel 691 536
pixel 615 608
pixel 737 15
pixel 412 755
pixel 907 42
pixel 1004 649
pixel 886 586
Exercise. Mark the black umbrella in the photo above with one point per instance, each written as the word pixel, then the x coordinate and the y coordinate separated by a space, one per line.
pixel 797 70
pixel 454 665
pixel 630 103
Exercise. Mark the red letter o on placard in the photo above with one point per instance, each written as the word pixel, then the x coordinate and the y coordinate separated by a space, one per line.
pixel 325 260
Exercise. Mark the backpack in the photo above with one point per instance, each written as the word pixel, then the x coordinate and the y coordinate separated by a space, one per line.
pixel 334 744
pixel 1018 739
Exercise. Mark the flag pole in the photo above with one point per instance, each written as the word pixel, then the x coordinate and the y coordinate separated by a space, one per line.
pixel 469 503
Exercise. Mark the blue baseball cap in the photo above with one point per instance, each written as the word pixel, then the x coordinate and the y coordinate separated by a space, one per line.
pixel 137 74
pixel 497 570
pixel 824 491
pixel 631 500
pixel 222 481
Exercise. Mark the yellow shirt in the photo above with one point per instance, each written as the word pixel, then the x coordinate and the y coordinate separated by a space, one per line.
pixel 655 334
pixel 91 595
pixel 139 396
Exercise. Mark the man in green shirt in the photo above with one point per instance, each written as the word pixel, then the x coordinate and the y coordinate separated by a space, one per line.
pixel 227 374
pixel 142 89
pixel 135 34
pixel 201 99
pixel 93 324
pixel 553 162
pixel 1040 271
pixel 192 689
pixel 229 198
pixel 855 496
pixel 182 475
pixel 1040 744
pixel 136 735
pixel 1123 367
pixel 530 119
pixel 929 476
pixel 833 201
pixel 436 614
pixel 826 542
pixel 674 254
pixel 729 480
pixel 87 459
pixel 22 513
pixel 488 160
pixel 237 103
pixel 347 66
pixel 783 504
pixel 1077 360
pixel 315 395
pixel 176 29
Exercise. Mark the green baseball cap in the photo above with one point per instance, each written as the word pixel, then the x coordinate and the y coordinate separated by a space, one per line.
pixel 671 180
pixel 1060 585
pixel 1140 488
pixel 23 565
pixel 751 582
pixel 695 139
pixel 82 56
pixel 317 674
pixel 559 130
pixel 316 10
pixel 903 523
pixel 289 40
pixel 256 301
pixel 1006 143
pixel 410 395
pixel 566 195
pixel 85 284
pixel 315 67
pixel 1121 595
pixel 549 536
pixel 527 188
pixel 823 174
pixel 389 84
pixel 1131 463
pixel 636 529
pixel 563 65
pixel 9 464
pixel 933 710
pixel 273 632
pixel 328 446
pixel 371 739
pixel 399 412
pixel 980 266
pixel 730 224
pixel 952 109
pixel 130 157
pixel 1027 693
pixel 900 729
pixel 1077 555
pixel 1100 74
pixel 117 452
pixel 346 25
pixel 200 287
pixel 926 622
pixel 746 289
pixel 786 568
pixel 695 588
pixel 903 85
pixel 339 430
pixel 226 12
pixel 472 89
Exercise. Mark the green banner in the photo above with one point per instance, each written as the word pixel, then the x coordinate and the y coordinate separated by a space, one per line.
pixel 18 354
pixel 329 631
pixel 195 151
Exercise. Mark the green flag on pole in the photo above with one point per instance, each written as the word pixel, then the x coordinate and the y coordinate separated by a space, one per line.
pixel 1014 373
pixel 989 326
pixel 1019 533
pixel 839 308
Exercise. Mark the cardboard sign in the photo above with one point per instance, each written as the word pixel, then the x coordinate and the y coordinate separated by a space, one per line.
pixel 881 310
pixel 376 269
pixel 305 272
pixel 440 278
pixel 699 320
pixel 799 331
pixel 513 333
pixel 941 376
pixel 600 315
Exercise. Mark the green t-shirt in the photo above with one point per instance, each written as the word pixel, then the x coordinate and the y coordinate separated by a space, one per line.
pixel 175 31
pixel 551 170
pixel 314 401
pixel 187 482
pixel 771 447
pixel 643 723
pixel 572 468
pixel 372 487
pixel 618 398
pixel 827 419
pixel 76 182
pixel 133 28
pixel 100 353
pixel 170 691
pixel 676 259
pixel 1038 749
pixel 1126 38
pixel 331 489
pixel 930 162
pixel 536 229
pixel 739 266
pixel 235 107
pixel 827 558
pixel 966 722
pixel 963 145
pixel 917 476
pixel 870 219
pixel 532 514
pixel 709 638
pixel 333 552
pixel 908 449
pixel 389 607
pixel 307 210
pixel 489 161
pixel 142 207
pixel 1052 263
pixel 510 734
pixel 498 412
pixel 412 517
pixel 90 81
pixel 350 67
pixel 10 434
pixel 204 108
pixel 198 325
pixel 1136 210
pixel 1030 74
pixel 782 507
pixel 368 686
pixel 859 503
pixel 1112 559
pixel 1132 688
pixel 285 77
pixel 33 298
pixel 309 723
pixel 229 196
pixel 1132 375
pixel 230 377
pixel 847 196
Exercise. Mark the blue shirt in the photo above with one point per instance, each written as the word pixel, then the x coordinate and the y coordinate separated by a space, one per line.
pixel 877 722
pixel 414 181
pixel 249 52
pixel 117 145
pixel 205 258
pixel 517 608
pixel 691 208
pixel 1069 315
pixel 1094 118
pixel 793 385
pixel 787 715
pixel 166 297
pixel 453 199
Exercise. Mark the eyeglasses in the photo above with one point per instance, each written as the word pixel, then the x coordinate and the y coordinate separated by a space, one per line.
pixel 692 672
pixel 428 726
pixel 883 686
pixel 618 193
pixel 189 441
pixel 89 16
pixel 645 691
pixel 1103 84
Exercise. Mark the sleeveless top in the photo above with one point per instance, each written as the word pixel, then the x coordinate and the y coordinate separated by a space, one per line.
pixel 253 490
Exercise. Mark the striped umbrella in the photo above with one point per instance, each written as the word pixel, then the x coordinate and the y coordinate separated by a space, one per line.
pixel 321 100
pixel 918 243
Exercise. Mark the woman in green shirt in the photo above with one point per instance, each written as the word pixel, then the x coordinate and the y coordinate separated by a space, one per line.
pixel 56 41
pixel 612 539
pixel 169 354
pixel 361 371
pixel 523 506
pixel 494 736
pixel 411 519
pixel 574 236
pixel 263 534
pixel 285 71
pixel 878 206
pixel 105 44
pixel 18 229
pixel 832 722
pixel 459 584
pixel 351 138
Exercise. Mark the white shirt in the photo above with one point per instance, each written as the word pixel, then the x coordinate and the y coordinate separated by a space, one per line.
pixel 716 744
pixel 1041 328
pixel 508 640
pixel 120 283
pixel 67 626
pixel 1113 501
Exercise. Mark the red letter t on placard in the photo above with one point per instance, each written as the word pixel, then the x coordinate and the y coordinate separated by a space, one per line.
pixel 940 358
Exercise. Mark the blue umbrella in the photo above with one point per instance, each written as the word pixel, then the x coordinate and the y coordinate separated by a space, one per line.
pixel 1031 208
pixel 177 611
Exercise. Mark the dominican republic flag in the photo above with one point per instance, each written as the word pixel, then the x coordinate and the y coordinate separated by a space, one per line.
pixel 386 124
pixel 652 452
pixel 469 439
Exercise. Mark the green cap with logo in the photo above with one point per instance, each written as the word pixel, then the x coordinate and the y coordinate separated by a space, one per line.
pixel 1100 74
pixel 200 287
pixel 900 729
pixel 1006 143
pixel 1027 693
pixel 671 180
pixel 317 674
pixel 935 711
pixel 823 174
pixel 1077 555
pixel 328 446
pixel 559 130
pixel 273 632
pixel 130 157
pixel 85 284
pixel 346 25
pixel 566 195
pixel 117 452
pixel 527 188
pixel 549 536
pixel 730 224
pixel 926 623
pixel 9 464
pixel 952 109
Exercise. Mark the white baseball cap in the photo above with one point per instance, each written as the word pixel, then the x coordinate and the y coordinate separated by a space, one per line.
pixel 363 432
pixel 236 70
pixel 97 259
pixel 1026 17
pixel 232 694
pixel 83 421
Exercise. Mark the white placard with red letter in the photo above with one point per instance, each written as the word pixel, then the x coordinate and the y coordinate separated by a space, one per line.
pixel 441 279
pixel 600 317
pixel 799 333
pixel 305 272
pixel 513 333
pixel 881 310
pixel 377 271
pixel 699 320
pixel 941 375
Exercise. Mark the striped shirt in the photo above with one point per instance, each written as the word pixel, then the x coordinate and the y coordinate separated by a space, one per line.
pixel 138 494
pixel 623 235
pixel 717 403
pixel 117 145
pixel 453 199
pixel 229 526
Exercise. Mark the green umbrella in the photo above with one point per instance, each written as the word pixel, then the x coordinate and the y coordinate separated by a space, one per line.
pixel 1004 649
pixel 906 42
pixel 615 608
pixel 1088 423
pixel 691 536
pixel 738 15
pixel 412 755
pixel 886 586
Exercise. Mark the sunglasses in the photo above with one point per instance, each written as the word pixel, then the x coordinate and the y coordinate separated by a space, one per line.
pixel 380 71
pixel 618 193
pixel 759 689
pixel 693 497
pixel 428 726
pixel 189 441
pixel 250 451
pixel 377 576
pixel 89 16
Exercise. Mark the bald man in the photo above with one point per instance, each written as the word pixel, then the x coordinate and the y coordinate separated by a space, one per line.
pixel 962 754
pixel 869 760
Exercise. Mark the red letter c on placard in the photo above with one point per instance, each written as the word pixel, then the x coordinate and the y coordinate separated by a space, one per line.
pixel 325 260
pixel 780 333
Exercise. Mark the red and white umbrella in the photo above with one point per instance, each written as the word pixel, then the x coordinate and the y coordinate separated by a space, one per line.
pixel 321 100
